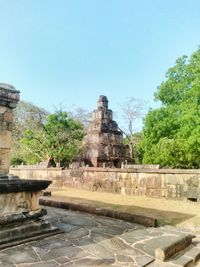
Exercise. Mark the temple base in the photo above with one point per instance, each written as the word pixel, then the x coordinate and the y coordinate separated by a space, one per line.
pixel 18 233
pixel 20 214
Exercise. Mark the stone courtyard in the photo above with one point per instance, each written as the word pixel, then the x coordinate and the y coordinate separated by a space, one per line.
pixel 89 240
pixel 61 237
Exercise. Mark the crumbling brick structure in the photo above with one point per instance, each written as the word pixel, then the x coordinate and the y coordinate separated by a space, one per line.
pixel 104 140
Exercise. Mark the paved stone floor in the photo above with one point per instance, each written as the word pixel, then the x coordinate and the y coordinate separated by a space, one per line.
pixel 89 240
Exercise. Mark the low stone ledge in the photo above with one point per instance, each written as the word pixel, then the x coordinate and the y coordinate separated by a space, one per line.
pixel 26 232
pixel 194 253
pixel 147 221
pixel 173 246
pixel 99 169
pixel 138 170
pixel 21 217
pixel 183 262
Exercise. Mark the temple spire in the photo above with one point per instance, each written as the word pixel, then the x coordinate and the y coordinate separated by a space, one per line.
pixel 104 141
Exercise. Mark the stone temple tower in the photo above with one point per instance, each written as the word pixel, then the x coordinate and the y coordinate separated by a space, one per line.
pixel 103 142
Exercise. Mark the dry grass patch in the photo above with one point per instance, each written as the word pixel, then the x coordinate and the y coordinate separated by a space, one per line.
pixel 173 212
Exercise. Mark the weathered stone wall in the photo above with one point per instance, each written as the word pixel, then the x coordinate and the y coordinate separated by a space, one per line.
pixel 6 118
pixel 8 100
pixel 167 183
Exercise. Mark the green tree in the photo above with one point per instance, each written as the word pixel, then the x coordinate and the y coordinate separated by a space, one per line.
pixel 132 141
pixel 60 139
pixel 171 134
pixel 26 117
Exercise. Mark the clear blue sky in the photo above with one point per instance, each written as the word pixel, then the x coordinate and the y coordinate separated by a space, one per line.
pixel 68 52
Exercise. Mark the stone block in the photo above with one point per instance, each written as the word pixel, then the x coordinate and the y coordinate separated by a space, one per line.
pixel 192 192
pixel 182 262
pixel 5 140
pixel 4 160
pixel 154 181
pixel 8 116
pixel 26 232
pixel 194 253
pixel 142 182
pixel 193 181
pixel 170 246
pixel 76 173
pixel 171 179
pixel 170 191
pixel 155 192
pixel 140 191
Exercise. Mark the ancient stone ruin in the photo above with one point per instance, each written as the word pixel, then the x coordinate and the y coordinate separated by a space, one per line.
pixel 104 140
pixel 19 199
pixel 8 100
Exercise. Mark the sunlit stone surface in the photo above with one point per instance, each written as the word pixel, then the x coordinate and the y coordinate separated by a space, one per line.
pixel 19 199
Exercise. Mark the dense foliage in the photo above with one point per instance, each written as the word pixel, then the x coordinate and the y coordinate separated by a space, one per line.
pixel 41 136
pixel 171 134
pixel 58 140
pixel 132 141
pixel 26 116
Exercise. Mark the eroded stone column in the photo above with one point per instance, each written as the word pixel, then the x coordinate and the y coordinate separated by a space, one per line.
pixel 9 98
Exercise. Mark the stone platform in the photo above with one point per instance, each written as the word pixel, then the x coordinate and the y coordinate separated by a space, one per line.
pixel 20 214
pixel 19 233
pixel 90 240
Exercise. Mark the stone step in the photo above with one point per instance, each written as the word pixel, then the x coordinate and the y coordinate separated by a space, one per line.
pixel 189 257
pixel 17 234
pixel 162 243
pixel 168 247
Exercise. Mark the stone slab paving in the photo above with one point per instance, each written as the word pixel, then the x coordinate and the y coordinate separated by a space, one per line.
pixel 90 240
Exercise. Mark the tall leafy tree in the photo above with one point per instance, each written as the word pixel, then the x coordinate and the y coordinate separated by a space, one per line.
pixel 171 134
pixel 60 139
pixel 26 117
